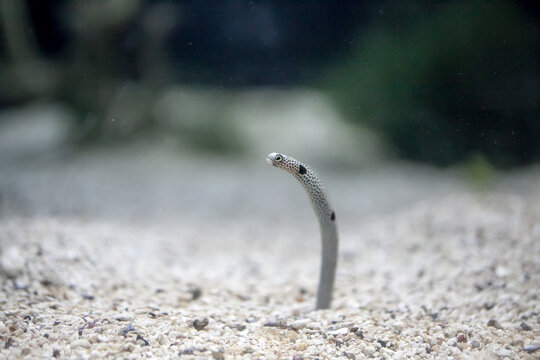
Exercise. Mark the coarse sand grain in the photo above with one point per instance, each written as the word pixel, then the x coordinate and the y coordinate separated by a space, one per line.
pixel 457 277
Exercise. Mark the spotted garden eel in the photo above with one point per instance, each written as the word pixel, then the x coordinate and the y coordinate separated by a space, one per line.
pixel 327 222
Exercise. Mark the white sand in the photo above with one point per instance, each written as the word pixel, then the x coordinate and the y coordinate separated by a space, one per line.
pixel 452 278
pixel 218 258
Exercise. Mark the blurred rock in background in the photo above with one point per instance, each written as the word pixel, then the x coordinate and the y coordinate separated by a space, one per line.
pixel 441 82
pixel 33 131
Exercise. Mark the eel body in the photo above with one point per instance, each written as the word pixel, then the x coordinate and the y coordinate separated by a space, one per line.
pixel 327 221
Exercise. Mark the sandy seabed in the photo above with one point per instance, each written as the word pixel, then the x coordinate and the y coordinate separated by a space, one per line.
pixel 457 277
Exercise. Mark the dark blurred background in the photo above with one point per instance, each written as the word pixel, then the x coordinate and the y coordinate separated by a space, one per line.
pixel 443 82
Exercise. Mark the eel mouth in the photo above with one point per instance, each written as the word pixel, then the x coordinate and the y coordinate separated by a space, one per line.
pixel 270 161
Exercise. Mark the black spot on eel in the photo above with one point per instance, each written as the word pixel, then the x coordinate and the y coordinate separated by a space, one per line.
pixel 326 216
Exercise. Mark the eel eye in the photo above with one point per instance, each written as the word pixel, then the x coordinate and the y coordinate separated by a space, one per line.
pixel 278 158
